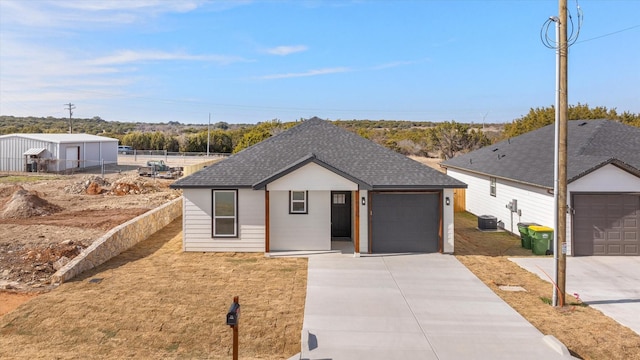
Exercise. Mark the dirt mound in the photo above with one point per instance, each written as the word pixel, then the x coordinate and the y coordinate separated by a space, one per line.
pixel 124 189
pixel 82 187
pixel 25 204
pixel 125 185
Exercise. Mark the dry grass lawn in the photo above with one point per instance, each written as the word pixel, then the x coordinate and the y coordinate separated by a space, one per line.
pixel 585 331
pixel 157 302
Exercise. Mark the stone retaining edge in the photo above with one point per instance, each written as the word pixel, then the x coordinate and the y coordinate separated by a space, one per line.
pixel 119 239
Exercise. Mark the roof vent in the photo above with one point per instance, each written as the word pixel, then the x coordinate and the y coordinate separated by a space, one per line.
pixel 582 123
pixel 494 150
pixel 470 161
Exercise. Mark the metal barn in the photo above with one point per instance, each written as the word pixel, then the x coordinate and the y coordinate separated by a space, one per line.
pixel 55 152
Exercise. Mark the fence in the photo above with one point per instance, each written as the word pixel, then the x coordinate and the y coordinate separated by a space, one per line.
pixel 52 165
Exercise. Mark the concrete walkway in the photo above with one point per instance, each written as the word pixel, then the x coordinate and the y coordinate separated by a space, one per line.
pixel 426 306
pixel 610 284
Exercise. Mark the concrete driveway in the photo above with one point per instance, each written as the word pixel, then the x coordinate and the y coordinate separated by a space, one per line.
pixel 610 284
pixel 426 306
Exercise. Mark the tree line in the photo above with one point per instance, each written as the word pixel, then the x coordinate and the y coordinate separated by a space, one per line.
pixel 422 138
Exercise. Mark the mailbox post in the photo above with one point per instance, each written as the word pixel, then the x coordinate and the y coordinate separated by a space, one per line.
pixel 233 317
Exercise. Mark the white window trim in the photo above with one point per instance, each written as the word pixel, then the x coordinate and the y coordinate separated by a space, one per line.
pixel 493 184
pixel 214 216
pixel 305 201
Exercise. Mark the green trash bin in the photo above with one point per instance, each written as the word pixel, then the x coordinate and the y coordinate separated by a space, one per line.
pixel 541 239
pixel 525 237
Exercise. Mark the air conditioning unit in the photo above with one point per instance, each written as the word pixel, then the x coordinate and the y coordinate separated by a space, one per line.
pixel 487 222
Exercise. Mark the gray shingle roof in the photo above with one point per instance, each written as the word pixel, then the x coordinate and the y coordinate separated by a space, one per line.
pixel 360 160
pixel 528 158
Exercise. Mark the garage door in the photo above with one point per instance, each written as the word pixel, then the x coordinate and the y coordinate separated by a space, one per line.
pixel 404 222
pixel 606 224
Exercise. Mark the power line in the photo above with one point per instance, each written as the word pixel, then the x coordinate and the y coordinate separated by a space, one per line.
pixel 609 34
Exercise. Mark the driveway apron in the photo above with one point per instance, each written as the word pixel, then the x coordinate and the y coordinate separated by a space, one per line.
pixel 425 306
pixel 610 284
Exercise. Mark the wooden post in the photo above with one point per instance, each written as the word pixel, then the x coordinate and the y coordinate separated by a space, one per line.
pixel 562 152
pixel 266 220
pixel 235 331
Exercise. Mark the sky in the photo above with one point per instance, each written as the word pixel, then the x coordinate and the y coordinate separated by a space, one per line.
pixel 250 61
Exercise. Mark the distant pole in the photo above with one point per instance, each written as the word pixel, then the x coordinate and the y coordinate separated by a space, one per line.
pixel 208 134
pixel 563 48
pixel 70 107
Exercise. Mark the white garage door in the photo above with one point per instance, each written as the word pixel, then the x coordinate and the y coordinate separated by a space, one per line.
pixel 73 156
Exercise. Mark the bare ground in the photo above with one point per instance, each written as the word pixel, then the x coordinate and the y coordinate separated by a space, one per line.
pixel 156 301
pixel 587 332
pixel 45 218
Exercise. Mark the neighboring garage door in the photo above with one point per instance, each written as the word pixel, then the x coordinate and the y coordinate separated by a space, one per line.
pixel 404 222
pixel 606 224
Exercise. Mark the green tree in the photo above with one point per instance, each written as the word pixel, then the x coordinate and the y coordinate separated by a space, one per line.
pixel 260 132
pixel 452 138
pixel 540 117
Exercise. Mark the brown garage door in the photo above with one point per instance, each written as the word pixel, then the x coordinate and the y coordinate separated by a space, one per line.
pixel 606 224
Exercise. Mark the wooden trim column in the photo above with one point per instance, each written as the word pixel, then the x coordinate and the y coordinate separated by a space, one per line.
pixel 356 240
pixel 266 220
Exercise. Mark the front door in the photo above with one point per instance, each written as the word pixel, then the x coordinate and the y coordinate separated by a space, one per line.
pixel 340 214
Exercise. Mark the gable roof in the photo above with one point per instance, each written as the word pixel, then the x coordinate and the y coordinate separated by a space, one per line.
pixel 63 138
pixel 362 161
pixel 528 158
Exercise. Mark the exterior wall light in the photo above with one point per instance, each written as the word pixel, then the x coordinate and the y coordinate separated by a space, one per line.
pixel 364 202
pixel 447 201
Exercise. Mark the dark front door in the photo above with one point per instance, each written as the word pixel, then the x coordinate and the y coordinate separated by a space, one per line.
pixel 340 214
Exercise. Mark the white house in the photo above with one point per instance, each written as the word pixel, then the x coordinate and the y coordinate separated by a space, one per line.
pixel 603 184
pixel 55 152
pixel 312 184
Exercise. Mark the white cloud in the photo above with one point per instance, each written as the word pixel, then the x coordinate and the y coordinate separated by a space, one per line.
pixel 307 73
pixel 132 56
pixel 286 50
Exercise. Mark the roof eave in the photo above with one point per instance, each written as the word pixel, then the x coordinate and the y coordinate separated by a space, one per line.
pixel 500 177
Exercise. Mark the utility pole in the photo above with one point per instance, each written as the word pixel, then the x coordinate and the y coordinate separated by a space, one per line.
pixel 70 107
pixel 208 135
pixel 563 116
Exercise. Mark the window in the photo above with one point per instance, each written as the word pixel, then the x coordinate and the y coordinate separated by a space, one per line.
pixel 225 213
pixel 492 186
pixel 298 202
pixel 339 199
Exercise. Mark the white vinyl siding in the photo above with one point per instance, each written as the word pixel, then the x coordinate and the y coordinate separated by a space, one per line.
pixel 312 177
pixel 448 233
pixel 295 232
pixel 534 203
pixel 364 221
pixel 197 219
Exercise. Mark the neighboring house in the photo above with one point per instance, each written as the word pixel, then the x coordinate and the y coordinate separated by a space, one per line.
pixel 313 183
pixel 603 177
pixel 55 152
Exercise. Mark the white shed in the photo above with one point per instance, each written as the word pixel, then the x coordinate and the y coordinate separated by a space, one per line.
pixel 55 152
